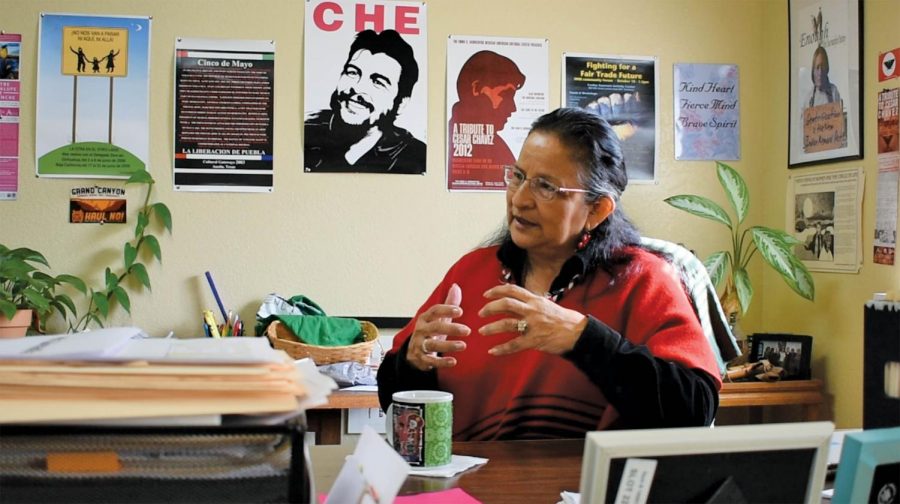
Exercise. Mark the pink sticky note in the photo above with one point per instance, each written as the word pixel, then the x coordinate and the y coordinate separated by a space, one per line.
pixel 451 496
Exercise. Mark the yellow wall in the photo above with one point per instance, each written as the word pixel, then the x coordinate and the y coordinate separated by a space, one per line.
pixel 376 245
pixel 836 318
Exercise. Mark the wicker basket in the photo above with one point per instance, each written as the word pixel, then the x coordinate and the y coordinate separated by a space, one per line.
pixel 283 338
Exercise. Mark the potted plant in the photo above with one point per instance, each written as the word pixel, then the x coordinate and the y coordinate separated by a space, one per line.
pixel 774 245
pixel 28 296
pixel 23 286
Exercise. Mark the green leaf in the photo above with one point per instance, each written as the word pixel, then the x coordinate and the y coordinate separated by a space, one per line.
pixel 163 214
pixel 8 309
pixel 102 304
pixel 130 255
pixel 66 301
pixel 802 283
pixel 743 287
pixel 37 300
pixel 153 243
pixel 140 271
pixel 142 222
pixel 27 254
pixel 123 299
pixel 74 281
pixel 735 189
pixel 716 265
pixel 140 177
pixel 775 251
pixel 111 280
pixel 700 206
pixel 43 279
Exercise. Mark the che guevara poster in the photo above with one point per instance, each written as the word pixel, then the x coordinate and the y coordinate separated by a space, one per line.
pixel 365 87
pixel 92 117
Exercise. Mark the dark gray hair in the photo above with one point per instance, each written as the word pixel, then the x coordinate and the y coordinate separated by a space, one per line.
pixel 595 147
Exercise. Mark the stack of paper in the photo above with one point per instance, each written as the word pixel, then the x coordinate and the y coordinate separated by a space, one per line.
pixel 119 373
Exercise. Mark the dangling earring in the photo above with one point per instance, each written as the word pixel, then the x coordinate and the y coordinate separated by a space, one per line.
pixel 585 239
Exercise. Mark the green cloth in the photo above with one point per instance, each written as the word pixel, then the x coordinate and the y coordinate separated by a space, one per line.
pixel 301 303
pixel 322 330
pixel 305 305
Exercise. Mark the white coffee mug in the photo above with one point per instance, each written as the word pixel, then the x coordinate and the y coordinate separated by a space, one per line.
pixel 420 426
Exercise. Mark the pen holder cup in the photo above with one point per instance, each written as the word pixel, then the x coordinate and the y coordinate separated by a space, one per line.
pixel 282 338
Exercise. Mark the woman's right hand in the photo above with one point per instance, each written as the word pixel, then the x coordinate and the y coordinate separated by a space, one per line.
pixel 432 328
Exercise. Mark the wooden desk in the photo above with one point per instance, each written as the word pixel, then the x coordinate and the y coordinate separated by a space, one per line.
pixel 530 471
pixel 517 471
pixel 805 393
pixel 325 420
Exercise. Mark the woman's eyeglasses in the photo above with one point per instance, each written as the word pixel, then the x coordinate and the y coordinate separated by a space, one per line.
pixel 539 186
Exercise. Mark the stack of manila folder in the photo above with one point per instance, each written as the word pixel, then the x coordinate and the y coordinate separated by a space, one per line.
pixel 120 373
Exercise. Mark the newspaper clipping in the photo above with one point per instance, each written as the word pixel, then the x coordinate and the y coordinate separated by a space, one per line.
pixel 824 211
pixel 888 176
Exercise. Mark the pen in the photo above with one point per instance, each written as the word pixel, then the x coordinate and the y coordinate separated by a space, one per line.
pixel 212 286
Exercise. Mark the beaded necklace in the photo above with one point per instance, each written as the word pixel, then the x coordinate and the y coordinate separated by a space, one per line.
pixel 506 277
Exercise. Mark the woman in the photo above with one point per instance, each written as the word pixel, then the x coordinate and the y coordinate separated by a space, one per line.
pixel 564 325
pixel 823 91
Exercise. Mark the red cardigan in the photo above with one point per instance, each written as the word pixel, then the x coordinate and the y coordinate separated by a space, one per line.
pixel 532 391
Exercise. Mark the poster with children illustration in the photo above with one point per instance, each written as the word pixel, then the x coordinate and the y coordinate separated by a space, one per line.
pixel 92 96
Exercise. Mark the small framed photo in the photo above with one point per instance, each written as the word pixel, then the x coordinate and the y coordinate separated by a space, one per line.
pixel 869 469
pixel 790 352
pixel 826 47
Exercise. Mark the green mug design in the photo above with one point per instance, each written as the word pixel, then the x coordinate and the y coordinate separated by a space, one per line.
pixel 422 427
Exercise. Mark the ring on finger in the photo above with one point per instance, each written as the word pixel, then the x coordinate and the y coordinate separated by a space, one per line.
pixel 425 346
pixel 522 326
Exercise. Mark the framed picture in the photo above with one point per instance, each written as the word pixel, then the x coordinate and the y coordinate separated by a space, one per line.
pixel 735 463
pixel 869 469
pixel 790 352
pixel 825 81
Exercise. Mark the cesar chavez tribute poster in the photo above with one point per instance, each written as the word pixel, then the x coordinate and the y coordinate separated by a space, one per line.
pixel 92 96
pixel 496 87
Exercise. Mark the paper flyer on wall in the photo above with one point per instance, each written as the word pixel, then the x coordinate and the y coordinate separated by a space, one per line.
pixel 624 91
pixel 496 87
pixel 365 92
pixel 707 112
pixel 93 96
pixel 224 109
pixel 10 89
pixel 824 210
pixel 888 175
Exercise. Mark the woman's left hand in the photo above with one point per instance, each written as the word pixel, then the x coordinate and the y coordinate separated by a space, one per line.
pixel 547 326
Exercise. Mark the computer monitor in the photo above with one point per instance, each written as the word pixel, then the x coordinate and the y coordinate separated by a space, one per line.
pixel 768 463
pixel 869 470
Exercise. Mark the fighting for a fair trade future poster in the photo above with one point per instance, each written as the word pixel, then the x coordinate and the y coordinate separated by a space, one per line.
pixel 624 91
pixel 496 87
pixel 366 88
pixel 92 117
